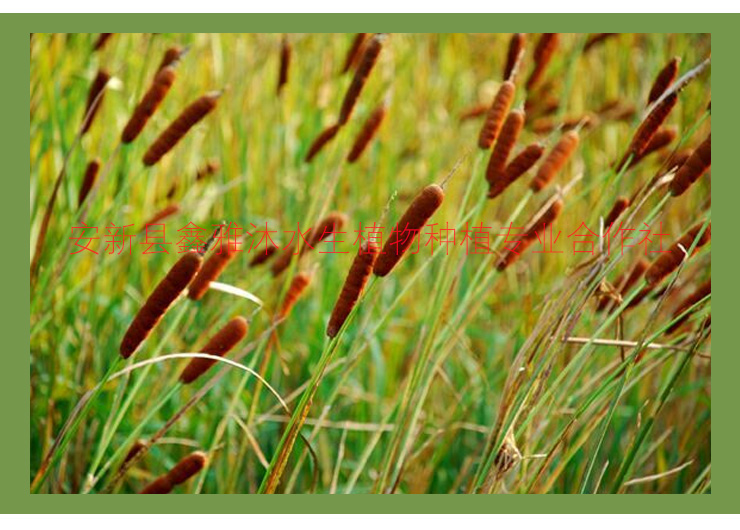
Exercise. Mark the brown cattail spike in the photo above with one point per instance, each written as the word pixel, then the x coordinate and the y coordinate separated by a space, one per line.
pixel 695 166
pixel 670 260
pixel 473 112
pixel 522 163
pixel 262 257
pixel 495 171
pixel 649 127
pixel 354 284
pixel 286 51
pixel 91 173
pixel 543 53
pixel 161 485
pixel 529 236
pixel 496 115
pixel 220 344
pixel 596 38
pixel 354 52
pixel 514 55
pixel 169 138
pixel 367 133
pixel 415 217
pixel 211 270
pixel 159 302
pixel 296 288
pixel 660 139
pixel 664 79
pixel 164 213
pixel 365 66
pixel 556 159
pixel 187 467
pixel 102 40
pixel 149 103
pixel 171 57
pixel 94 99
pixel 321 140
pixel 620 205
pixel 332 223
pixel 699 294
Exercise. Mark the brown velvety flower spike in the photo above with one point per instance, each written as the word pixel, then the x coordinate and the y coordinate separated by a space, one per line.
pixel 620 205
pixel 149 104
pixel 262 257
pixel 326 136
pixel 102 41
pixel 220 344
pixel 660 139
pixel 514 55
pixel 211 270
pixel 669 261
pixel 496 115
pixel 699 294
pixel 164 213
pixel 367 62
pixel 529 236
pixel 495 171
pixel 555 160
pixel 354 52
pixel 354 284
pixel 183 470
pixel 296 288
pixel 664 79
pixel 543 53
pixel 649 127
pixel 286 52
pixel 367 133
pixel 521 163
pixel 596 38
pixel 91 173
pixel 94 99
pixel 695 166
pixel 171 57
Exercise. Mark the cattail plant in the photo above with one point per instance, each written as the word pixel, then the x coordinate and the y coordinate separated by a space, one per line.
pixel 521 163
pixel 94 99
pixel 189 117
pixel 102 40
pixel 367 133
pixel 262 257
pixel 620 205
pixel 211 270
pixel 333 222
pixel 677 159
pixel 369 57
pixel 514 55
pixel 299 284
pixel 136 448
pixel 354 52
pixel 472 112
pixel 207 170
pixel 664 79
pixel 701 292
pixel 555 160
pixel 286 52
pixel 496 115
pixel 624 284
pixel 694 167
pixel 354 284
pixel 171 57
pixel 220 344
pixel 660 139
pixel 183 470
pixel 91 173
pixel 326 136
pixel 543 53
pixel 164 213
pixel 649 127
pixel 495 171
pixel 413 219
pixel 149 104
pixel 596 38
pixel 669 261
pixel 159 301
pixel 529 236
pixel 546 125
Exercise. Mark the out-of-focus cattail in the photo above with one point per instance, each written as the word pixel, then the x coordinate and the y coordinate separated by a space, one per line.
pixel 136 448
pixel 678 159
pixel 102 40
pixel 367 133
pixel 367 62
pixel 555 160
pixel 91 173
pixel 211 270
pixel 357 277
pixel 413 219
pixel 496 114
pixel 510 255
pixel 504 146
pixel 664 79
pixel 625 284
pixel 220 344
pixel 161 485
pixel 286 51
pixel 263 257
pixel 183 470
pixel 332 223
pixel 164 213
pixel 620 205
pixel 547 125
pixel 649 127
pixel 208 169
pixel 283 260
pixel 527 158
pixel 543 53
pixel 695 166
pixel 321 140
pixel 296 288
pixel 669 261
pixel 94 99
pixel 660 139
pixel 189 117
pixel 596 38
pixel 701 292
pixel 354 51
pixel 170 57
pixel 159 301
pixel 149 104
pixel 514 55
pixel 473 112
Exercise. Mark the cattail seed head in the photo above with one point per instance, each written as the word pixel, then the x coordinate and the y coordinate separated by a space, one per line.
pixel 159 301
pixel 699 294
pixel 369 57
pixel 649 127
pixel 367 133
pixel 187 467
pixel 149 103
pixel 354 52
pixel 521 163
pixel 695 166
pixel 620 205
pixel 161 485
pixel 262 257
pixel 543 53
pixel 496 115
pixel 333 222
pixel 296 288
pixel 94 99
pixel 473 112
pixel 321 140
pixel 514 55
pixel 189 117
pixel 670 260
pixel 91 173
pixel 413 219
pixel 220 344
pixel 495 171
pixel 596 38
pixel 529 235
pixel 354 284
pixel 136 448
pixel 283 260
pixel 171 56
pixel 660 139
pixel 555 160
pixel 211 270
pixel 664 79
pixel 164 213
pixel 102 40
pixel 286 51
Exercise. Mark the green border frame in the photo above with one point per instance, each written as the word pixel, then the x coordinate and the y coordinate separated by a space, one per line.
pixel 14 441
